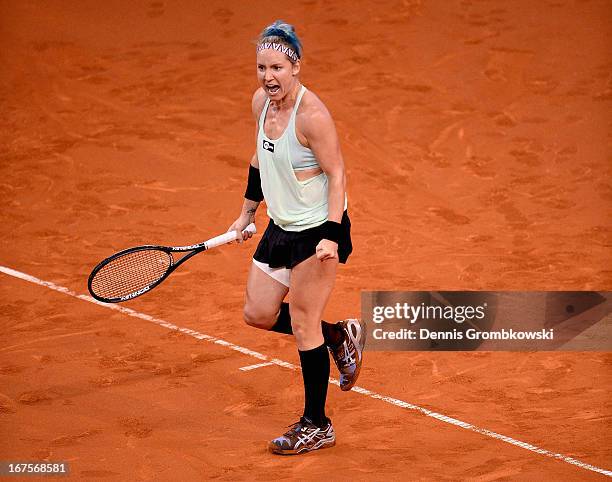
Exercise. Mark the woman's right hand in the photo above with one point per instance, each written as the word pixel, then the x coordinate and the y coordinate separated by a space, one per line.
pixel 240 224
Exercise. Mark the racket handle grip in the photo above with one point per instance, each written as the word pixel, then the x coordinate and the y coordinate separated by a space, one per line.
pixel 228 237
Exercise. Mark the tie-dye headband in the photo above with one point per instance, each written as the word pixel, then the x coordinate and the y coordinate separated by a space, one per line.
pixel 289 52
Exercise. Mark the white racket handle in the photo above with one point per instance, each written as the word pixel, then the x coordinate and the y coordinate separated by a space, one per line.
pixel 228 237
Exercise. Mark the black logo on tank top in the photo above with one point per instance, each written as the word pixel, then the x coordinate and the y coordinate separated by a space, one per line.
pixel 268 146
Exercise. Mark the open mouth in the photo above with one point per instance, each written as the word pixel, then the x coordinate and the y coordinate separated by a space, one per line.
pixel 273 89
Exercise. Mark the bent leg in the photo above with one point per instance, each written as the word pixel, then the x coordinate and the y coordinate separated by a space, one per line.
pixel 264 296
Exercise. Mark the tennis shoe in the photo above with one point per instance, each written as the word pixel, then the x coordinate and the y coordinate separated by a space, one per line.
pixel 348 356
pixel 304 436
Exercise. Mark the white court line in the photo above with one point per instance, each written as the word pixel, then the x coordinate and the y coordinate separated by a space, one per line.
pixel 45 338
pixel 253 367
pixel 275 361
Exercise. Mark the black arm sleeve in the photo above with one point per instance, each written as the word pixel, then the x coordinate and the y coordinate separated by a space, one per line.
pixel 253 190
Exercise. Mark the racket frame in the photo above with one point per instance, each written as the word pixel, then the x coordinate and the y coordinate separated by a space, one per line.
pixel 194 248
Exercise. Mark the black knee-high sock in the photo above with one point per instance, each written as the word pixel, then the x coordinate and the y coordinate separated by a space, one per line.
pixel 283 322
pixel 332 333
pixel 315 371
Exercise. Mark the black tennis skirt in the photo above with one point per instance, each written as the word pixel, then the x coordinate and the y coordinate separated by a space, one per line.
pixel 279 248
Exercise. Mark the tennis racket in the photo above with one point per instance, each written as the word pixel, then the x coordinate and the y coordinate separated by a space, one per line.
pixel 134 271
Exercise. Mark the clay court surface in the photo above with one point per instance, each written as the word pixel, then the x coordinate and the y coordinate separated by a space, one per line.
pixel 476 136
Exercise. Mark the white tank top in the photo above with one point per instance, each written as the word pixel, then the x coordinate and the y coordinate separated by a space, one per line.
pixel 293 205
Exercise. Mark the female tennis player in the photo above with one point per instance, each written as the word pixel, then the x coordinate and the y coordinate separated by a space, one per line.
pixel 298 170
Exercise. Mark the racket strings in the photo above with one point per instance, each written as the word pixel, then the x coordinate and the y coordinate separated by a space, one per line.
pixel 131 272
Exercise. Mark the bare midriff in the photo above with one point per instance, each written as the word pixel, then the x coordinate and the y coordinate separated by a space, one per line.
pixel 305 174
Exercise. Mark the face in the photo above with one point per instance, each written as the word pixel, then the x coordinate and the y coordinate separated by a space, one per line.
pixel 276 73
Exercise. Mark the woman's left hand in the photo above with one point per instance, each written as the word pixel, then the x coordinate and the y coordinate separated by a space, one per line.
pixel 327 249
